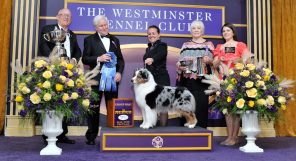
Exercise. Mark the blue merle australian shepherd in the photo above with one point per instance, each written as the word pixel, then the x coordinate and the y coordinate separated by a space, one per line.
pixel 153 98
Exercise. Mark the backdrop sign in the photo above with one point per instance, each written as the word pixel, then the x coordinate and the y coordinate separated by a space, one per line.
pixel 129 18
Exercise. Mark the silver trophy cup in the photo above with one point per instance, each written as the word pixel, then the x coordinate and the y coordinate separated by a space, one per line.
pixel 57 36
pixel 188 64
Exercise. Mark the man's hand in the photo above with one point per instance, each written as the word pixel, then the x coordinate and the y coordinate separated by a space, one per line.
pixel 117 77
pixel 104 58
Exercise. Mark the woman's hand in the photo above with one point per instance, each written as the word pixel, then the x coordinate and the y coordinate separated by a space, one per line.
pixel 181 68
pixel 148 61
pixel 207 59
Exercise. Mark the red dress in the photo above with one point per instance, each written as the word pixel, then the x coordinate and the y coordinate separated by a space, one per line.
pixel 228 56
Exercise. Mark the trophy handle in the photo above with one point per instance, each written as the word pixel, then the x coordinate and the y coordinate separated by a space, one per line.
pixel 46 37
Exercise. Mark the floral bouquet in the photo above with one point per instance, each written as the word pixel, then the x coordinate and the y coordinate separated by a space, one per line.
pixel 58 85
pixel 247 87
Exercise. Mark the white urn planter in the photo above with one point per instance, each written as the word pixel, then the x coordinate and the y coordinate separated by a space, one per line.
pixel 250 127
pixel 51 127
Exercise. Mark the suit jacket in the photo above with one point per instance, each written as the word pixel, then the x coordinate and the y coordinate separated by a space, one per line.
pixel 46 47
pixel 158 52
pixel 94 47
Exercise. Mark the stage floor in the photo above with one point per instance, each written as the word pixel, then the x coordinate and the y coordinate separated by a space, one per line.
pixel 28 148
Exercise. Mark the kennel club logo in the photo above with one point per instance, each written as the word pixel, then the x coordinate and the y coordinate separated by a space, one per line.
pixel 157 142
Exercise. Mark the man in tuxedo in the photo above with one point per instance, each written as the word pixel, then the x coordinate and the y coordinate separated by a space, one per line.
pixel 70 43
pixel 96 48
pixel 72 51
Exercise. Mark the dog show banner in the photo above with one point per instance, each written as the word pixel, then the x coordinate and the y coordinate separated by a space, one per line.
pixel 120 113
pixel 131 18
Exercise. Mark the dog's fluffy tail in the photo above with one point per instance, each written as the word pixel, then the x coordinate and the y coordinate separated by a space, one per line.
pixel 186 101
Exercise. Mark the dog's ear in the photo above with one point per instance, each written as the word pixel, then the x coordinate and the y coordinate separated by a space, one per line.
pixel 144 75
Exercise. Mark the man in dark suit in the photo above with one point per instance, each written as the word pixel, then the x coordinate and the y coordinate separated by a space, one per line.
pixel 72 51
pixel 70 43
pixel 95 50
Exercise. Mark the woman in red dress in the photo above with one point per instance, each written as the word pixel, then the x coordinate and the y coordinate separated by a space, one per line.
pixel 228 54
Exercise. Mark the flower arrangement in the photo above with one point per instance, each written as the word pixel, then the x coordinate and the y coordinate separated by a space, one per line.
pixel 247 87
pixel 58 85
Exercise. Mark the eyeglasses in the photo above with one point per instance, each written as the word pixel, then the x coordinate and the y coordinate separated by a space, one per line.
pixel 64 15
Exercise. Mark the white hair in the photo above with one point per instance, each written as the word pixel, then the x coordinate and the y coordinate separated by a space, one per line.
pixel 197 23
pixel 99 18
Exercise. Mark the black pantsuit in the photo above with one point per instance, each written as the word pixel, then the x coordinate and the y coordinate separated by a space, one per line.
pixel 197 88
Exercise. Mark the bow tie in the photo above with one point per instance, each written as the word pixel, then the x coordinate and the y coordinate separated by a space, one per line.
pixel 107 36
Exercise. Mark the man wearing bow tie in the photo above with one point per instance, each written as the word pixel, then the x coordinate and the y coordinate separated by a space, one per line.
pixel 96 48
pixel 72 51
pixel 64 19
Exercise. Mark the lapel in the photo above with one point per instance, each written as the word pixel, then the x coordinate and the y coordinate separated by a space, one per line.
pixel 100 45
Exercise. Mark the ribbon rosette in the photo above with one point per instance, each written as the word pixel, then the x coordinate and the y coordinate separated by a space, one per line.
pixel 108 72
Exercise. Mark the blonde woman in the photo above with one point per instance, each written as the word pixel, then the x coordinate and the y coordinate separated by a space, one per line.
pixel 197 48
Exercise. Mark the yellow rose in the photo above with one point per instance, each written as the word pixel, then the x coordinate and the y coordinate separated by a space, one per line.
pixel 240 103
pixel 34 98
pixel 70 83
pixel 47 97
pixel 251 66
pixel 28 79
pixel 249 84
pixel 47 74
pixel 79 83
pixel 283 107
pixel 224 111
pixel 266 78
pixel 282 100
pixel 85 103
pixel 74 95
pixel 267 71
pixel 260 83
pixel 270 100
pixel 239 66
pixel 63 63
pixel 70 66
pixel 65 97
pixel 59 87
pixel 69 73
pixel 245 73
pixel 46 84
pixel 261 102
pixel 252 93
pixel 25 90
pixel 21 85
pixel 62 78
pixel 258 76
pixel 229 87
pixel 230 71
pixel 229 99
pixel 79 71
pixel 19 98
pixel 39 85
pixel 40 63
pixel 251 103
pixel 233 80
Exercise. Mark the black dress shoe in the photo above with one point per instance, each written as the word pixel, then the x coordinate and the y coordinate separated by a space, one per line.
pixel 66 140
pixel 88 142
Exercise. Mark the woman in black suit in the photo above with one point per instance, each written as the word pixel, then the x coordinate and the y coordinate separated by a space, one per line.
pixel 155 61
